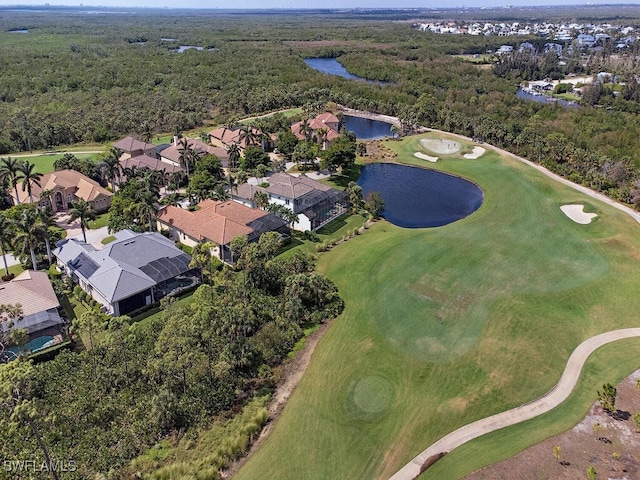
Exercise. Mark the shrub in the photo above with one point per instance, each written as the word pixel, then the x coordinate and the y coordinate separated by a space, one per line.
pixel 6 278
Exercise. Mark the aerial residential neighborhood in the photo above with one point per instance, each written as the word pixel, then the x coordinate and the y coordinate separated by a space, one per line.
pixel 319 242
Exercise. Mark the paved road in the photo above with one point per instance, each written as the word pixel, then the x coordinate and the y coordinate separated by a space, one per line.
pixel 547 402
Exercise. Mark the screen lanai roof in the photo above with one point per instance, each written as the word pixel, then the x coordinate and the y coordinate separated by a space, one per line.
pixel 131 264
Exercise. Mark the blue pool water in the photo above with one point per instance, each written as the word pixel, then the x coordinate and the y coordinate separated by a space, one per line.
pixel 34 345
pixel 417 197
pixel 367 128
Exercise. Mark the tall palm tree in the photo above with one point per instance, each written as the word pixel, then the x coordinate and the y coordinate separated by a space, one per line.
pixel 6 236
pixel 46 221
pixel 147 210
pixel 81 209
pixel 185 154
pixel 28 231
pixel 29 178
pixel 110 166
pixel 234 155
pixel 248 135
pixel 10 170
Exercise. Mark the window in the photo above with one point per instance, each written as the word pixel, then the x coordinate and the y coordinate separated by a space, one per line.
pixel 69 198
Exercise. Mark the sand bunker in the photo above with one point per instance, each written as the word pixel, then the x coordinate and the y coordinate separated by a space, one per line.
pixel 476 153
pixel 423 156
pixel 577 214
pixel 441 146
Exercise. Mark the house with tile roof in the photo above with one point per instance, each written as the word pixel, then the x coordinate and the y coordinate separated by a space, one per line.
pixel 135 270
pixel 225 137
pixel 171 154
pixel 315 203
pixel 33 292
pixel 131 147
pixel 67 186
pixel 219 223
pixel 322 129
pixel 147 161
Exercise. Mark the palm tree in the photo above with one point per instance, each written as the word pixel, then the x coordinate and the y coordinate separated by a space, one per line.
pixel 261 200
pixel 81 209
pixel 147 210
pixel 248 135
pixel 321 135
pixel 185 154
pixel 28 231
pixel 46 196
pixel 10 170
pixel 46 220
pixel 147 132
pixel 110 166
pixel 305 129
pixel 234 155
pixel 29 178
pixel 6 235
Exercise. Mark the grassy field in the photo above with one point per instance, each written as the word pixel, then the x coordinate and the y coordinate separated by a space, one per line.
pixel 448 325
pixel 44 162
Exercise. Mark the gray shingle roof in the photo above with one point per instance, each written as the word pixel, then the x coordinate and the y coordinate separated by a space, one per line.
pixel 134 262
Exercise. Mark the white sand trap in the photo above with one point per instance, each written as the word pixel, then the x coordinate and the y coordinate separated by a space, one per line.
pixel 423 156
pixel 577 214
pixel 441 146
pixel 476 153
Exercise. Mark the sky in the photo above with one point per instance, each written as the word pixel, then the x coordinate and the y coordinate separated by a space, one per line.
pixel 298 4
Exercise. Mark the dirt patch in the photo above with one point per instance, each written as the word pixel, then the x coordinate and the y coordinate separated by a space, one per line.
pixel 293 372
pixel 612 447
pixel 423 156
pixel 440 145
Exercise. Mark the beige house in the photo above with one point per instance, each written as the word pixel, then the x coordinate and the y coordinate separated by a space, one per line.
pixel 171 154
pixel 220 223
pixel 131 147
pixel 67 186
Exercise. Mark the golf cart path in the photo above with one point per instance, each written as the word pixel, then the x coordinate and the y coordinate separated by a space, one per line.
pixel 544 404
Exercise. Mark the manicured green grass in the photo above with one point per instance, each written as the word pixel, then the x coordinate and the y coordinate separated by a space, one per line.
pixel 108 239
pixel 330 233
pixel 448 325
pixel 44 162
pixel 101 221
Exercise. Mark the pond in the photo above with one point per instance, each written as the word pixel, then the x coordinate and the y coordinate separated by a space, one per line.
pixel 367 128
pixel 540 98
pixel 331 66
pixel 419 198
pixel 184 48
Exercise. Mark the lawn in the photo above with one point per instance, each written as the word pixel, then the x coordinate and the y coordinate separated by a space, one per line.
pixel 101 220
pixel 448 325
pixel 44 162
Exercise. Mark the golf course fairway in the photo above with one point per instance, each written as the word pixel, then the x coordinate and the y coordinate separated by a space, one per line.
pixel 448 325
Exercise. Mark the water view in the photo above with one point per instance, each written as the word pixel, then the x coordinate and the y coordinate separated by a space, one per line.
pixel 367 128
pixel 540 98
pixel 331 66
pixel 419 198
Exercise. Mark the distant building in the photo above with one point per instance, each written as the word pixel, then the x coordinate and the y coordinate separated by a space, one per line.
pixel 171 154
pixel 322 129
pixel 132 147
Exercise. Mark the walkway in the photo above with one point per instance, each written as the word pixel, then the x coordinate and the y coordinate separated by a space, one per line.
pixel 547 402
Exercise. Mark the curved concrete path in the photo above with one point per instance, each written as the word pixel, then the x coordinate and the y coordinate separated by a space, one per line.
pixel 547 402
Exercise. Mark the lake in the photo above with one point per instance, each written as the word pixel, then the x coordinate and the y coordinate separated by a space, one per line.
pixel 419 198
pixel 331 66
pixel 522 95
pixel 367 128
